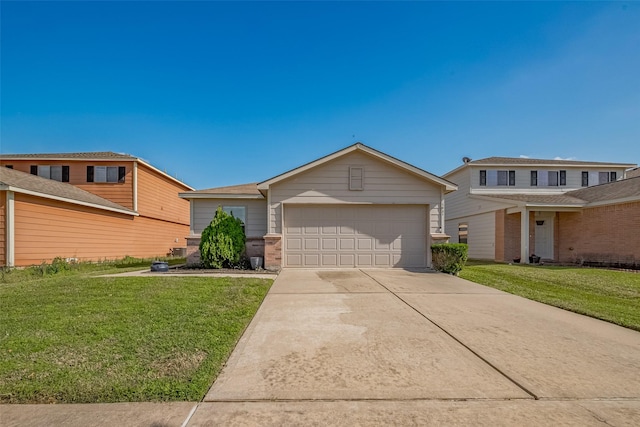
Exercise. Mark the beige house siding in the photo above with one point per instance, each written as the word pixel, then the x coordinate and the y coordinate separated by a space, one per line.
pixel 481 234
pixel 205 209
pixel 459 204
pixel 329 184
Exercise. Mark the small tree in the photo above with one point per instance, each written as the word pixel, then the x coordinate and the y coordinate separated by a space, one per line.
pixel 222 242
pixel 449 257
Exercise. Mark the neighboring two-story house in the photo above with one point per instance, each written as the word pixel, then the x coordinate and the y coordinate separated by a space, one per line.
pixel 87 206
pixel 508 209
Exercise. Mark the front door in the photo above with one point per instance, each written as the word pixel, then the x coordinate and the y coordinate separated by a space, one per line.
pixel 544 234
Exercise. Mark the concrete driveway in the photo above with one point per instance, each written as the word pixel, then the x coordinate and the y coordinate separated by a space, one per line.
pixel 379 347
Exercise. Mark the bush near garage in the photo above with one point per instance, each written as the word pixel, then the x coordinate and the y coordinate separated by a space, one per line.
pixel 222 243
pixel 449 257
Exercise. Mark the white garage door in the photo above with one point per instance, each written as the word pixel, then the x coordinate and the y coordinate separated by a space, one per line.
pixel 355 236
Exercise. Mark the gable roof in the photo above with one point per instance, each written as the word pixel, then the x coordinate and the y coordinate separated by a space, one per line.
pixel 21 182
pixel 449 186
pixel 242 191
pixel 95 156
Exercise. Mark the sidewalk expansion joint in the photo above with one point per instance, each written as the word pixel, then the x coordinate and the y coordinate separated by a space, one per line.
pixel 500 371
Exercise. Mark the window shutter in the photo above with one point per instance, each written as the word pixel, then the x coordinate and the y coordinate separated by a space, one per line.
pixel 614 177
pixel 122 172
pixel 563 177
pixel 483 178
pixel 512 178
pixel 34 170
pixel 89 173
pixel 534 178
pixel 65 174
pixel 585 179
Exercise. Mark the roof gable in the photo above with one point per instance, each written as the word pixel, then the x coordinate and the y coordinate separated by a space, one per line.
pixel 448 186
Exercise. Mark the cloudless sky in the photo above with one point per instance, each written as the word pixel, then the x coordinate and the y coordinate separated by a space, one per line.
pixel 220 93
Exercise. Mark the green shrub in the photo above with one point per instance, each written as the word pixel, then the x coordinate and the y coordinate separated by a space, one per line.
pixel 222 242
pixel 449 257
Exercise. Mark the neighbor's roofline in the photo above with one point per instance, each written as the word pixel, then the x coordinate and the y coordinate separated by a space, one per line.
pixel 14 189
pixel 541 163
pixel 125 157
pixel 449 186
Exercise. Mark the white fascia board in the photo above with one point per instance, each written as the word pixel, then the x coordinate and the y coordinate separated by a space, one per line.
pixel 71 201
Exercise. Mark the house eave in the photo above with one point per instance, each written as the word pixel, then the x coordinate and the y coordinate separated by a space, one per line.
pixel 220 196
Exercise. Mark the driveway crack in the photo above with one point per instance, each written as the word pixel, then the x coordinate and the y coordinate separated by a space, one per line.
pixel 500 371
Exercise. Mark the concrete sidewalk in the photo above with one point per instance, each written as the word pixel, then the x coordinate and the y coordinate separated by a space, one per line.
pixel 392 347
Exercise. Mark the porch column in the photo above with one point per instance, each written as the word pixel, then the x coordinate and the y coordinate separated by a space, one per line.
pixel 524 236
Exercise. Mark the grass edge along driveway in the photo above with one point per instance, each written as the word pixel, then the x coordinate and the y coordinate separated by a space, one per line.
pixel 75 339
pixel 609 295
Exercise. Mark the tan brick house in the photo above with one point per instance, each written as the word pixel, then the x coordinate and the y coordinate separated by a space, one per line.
pixel 87 206
pixel 564 211
pixel 357 207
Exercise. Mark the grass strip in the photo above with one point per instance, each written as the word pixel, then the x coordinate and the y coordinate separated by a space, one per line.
pixel 609 295
pixel 78 339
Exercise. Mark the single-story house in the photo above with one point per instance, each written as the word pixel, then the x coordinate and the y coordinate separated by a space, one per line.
pixel 357 207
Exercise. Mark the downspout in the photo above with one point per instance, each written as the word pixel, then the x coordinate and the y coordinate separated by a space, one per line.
pixel 10 229
pixel 135 185
pixel 441 210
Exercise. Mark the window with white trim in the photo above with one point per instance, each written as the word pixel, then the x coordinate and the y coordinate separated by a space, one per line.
pixel 494 178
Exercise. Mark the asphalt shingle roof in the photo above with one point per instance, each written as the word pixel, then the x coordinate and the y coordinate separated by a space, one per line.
pixel 527 161
pixel 97 155
pixel 36 184
pixel 250 189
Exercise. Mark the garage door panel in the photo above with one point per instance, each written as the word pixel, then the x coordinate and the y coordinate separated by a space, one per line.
pixel 330 260
pixel 347 244
pixel 355 236
pixel 329 244
pixel 294 243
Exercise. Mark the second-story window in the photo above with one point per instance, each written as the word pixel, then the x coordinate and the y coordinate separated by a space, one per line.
pixel 106 174
pixel 493 178
pixel 56 173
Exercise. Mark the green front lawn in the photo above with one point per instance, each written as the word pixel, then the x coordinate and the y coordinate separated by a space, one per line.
pixel 72 338
pixel 609 295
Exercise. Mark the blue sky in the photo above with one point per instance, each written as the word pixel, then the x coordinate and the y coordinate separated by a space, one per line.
pixel 226 93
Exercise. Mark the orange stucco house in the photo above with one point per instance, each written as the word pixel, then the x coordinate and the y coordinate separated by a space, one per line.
pixel 87 206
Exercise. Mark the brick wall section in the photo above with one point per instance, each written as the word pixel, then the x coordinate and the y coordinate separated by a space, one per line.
pixel 193 250
pixel 605 235
pixel 507 236
pixel 273 252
